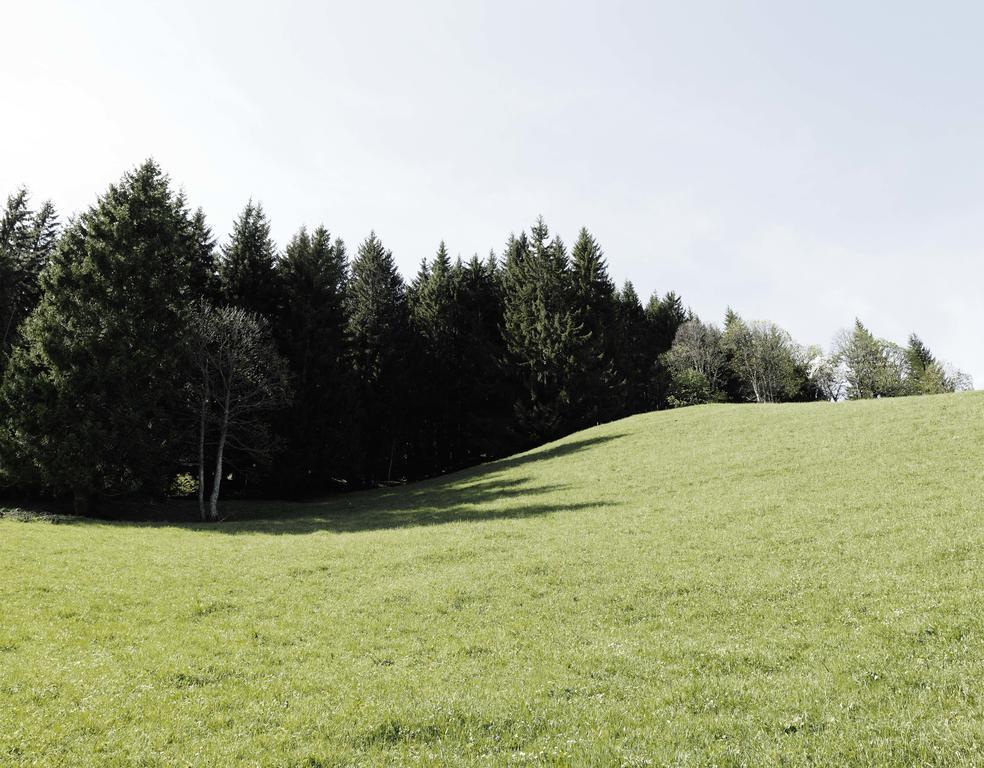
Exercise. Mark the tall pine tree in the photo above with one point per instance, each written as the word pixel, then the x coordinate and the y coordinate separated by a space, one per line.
pixel 379 334
pixel 543 334
pixel 27 239
pixel 436 325
pixel 91 394
pixel 599 391
pixel 318 429
pixel 248 268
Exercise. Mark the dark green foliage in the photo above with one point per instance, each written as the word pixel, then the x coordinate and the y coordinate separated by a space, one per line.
pixel 917 355
pixel 27 239
pixel 437 399
pixel 545 339
pixel 664 318
pixel 248 268
pixel 634 359
pixel 203 276
pixel 91 396
pixel 379 331
pixel 462 401
pixel 473 360
pixel 599 390
pixel 311 333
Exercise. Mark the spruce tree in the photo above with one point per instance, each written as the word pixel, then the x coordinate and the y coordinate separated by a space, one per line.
pixel 487 391
pixel 318 429
pixel 544 337
pixel 664 317
pixel 632 359
pixel 379 332
pixel 434 319
pixel 247 272
pixel 599 391
pixel 27 239
pixel 203 266
pixel 92 392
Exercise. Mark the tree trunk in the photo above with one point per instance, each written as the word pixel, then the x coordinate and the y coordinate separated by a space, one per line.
pixel 201 454
pixel 217 480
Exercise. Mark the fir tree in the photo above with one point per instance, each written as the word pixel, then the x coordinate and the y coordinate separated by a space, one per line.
pixel 632 358
pixel 203 266
pixel 433 315
pixel 247 272
pixel 378 328
pixel 599 392
pixel 27 239
pixel 311 332
pixel 664 317
pixel 92 393
pixel 543 335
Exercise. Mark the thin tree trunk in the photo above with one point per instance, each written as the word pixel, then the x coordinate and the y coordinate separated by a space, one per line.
pixel 201 450
pixel 217 480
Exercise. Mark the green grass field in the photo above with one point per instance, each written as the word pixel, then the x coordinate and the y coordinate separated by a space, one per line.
pixel 720 585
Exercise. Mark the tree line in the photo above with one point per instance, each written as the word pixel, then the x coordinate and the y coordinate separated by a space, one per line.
pixel 140 356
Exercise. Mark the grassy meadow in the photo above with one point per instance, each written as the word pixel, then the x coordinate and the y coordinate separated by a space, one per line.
pixel 718 585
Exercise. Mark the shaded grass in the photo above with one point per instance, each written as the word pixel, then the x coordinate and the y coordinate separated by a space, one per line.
pixel 723 585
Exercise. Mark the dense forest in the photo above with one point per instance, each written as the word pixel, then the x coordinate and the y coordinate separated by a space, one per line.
pixel 141 357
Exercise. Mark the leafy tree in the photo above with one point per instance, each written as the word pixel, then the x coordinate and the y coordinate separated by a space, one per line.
pixel 875 368
pixel 92 392
pixel 318 429
pixel 248 268
pixel 763 359
pixel 237 381
pixel 828 375
pixel 27 239
pixel 379 332
pixel 697 364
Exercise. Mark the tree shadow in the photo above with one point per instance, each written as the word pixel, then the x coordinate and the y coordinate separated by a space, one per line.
pixel 476 494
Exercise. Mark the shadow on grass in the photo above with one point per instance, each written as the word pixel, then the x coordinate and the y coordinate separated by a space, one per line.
pixel 475 494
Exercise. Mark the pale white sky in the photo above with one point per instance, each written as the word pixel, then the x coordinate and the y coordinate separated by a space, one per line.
pixel 803 162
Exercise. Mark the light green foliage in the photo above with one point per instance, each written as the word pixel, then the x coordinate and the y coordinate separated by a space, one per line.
pixel 697 363
pixel 763 357
pixel 722 585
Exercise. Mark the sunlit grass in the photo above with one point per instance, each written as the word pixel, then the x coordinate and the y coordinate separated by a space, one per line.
pixel 796 584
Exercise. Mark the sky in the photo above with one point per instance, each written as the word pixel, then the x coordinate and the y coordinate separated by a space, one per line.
pixel 802 162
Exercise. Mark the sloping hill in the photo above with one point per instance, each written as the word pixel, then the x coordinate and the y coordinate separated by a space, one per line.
pixel 714 585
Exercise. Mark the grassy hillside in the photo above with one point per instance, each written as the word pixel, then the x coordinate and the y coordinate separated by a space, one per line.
pixel 796 584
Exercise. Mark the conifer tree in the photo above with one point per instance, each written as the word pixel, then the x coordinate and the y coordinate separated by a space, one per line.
pixel 485 426
pixel 665 317
pixel 27 239
pixel 318 429
pixel 599 391
pixel 92 393
pixel 633 360
pixel 203 266
pixel 543 335
pixel 434 318
pixel 247 272
pixel 379 332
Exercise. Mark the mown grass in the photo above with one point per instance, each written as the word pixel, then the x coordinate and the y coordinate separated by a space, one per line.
pixel 722 585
